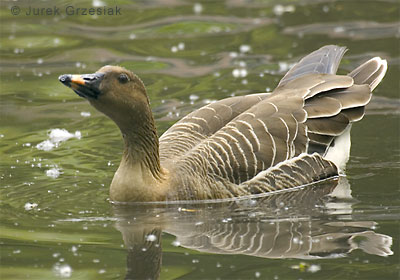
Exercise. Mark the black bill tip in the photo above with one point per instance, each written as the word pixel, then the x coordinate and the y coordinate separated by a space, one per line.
pixel 65 79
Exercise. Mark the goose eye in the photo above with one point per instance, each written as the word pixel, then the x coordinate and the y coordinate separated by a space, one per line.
pixel 123 78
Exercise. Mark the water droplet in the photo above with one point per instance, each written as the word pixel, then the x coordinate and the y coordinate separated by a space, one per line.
pixel 151 238
pixel 64 271
pixel 181 46
pixel 339 29
pixel 314 268
pixel 244 48
pixel 98 3
pixel 280 9
pixel 193 97
pixel 197 8
pixel 85 114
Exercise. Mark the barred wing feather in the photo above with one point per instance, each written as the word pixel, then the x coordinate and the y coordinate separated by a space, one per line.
pixel 202 123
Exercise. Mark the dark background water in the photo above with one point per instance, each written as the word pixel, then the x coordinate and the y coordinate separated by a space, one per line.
pixel 56 220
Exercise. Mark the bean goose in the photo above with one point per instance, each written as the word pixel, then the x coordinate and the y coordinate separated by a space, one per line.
pixel 238 146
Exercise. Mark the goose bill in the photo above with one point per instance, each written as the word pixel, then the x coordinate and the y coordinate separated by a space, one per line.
pixel 86 86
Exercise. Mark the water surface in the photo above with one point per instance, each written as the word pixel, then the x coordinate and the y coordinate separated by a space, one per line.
pixel 58 154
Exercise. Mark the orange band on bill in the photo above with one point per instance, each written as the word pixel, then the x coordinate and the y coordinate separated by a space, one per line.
pixel 77 79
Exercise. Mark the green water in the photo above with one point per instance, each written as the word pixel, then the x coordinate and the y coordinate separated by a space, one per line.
pixel 56 220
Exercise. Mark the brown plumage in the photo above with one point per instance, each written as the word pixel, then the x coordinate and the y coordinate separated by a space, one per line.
pixel 243 145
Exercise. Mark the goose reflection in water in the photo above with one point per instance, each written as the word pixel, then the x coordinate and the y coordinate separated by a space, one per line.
pixel 310 223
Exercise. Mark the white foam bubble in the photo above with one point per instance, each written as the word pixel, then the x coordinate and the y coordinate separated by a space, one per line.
pixel 60 135
pixel 53 172
pixel 29 206
pixel 46 145
pixel 57 136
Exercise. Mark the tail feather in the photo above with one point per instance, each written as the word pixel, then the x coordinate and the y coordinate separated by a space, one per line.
pixel 351 97
pixel 325 60
pixel 354 114
pixel 370 72
pixel 332 106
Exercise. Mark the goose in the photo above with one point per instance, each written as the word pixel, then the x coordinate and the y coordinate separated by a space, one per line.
pixel 239 146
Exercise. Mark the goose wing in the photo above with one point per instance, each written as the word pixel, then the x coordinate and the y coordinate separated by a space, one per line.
pixel 237 138
pixel 272 131
pixel 202 123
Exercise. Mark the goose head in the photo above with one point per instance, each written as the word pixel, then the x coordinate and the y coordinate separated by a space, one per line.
pixel 114 91
pixel 121 95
